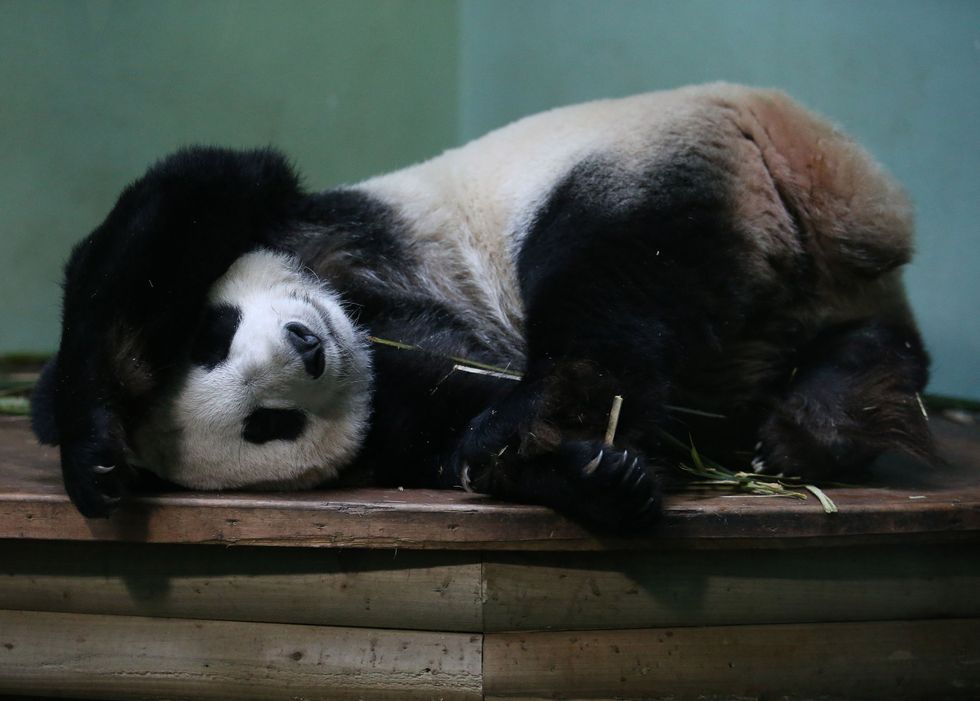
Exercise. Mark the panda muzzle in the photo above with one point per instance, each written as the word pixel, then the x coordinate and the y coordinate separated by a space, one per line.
pixel 309 347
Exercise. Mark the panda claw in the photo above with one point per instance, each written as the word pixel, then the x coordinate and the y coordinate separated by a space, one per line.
pixel 591 466
pixel 103 469
pixel 464 478
pixel 630 473
pixel 758 465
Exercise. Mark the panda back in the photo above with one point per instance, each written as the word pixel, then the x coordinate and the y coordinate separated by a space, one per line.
pixel 796 186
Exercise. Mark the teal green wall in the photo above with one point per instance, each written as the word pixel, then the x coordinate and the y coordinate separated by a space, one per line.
pixel 92 92
pixel 902 77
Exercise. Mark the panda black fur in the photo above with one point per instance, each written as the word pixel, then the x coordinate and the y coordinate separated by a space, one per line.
pixel 713 247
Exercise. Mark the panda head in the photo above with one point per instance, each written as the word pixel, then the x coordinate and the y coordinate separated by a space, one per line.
pixel 276 391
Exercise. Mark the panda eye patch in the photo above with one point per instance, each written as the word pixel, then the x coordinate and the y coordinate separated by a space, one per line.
pixel 213 341
pixel 264 425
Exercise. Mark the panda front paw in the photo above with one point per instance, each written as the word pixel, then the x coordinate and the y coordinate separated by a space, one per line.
pixel 95 481
pixel 617 489
pixel 498 442
pixel 613 489
pixel 95 475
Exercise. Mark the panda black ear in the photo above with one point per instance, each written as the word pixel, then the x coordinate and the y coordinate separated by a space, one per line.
pixel 43 404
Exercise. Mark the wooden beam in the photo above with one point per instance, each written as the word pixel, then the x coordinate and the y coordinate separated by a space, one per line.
pixel 886 660
pixel 545 591
pixel 33 506
pixel 514 591
pixel 123 657
pixel 373 588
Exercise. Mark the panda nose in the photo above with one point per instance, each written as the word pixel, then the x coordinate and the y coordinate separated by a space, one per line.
pixel 307 344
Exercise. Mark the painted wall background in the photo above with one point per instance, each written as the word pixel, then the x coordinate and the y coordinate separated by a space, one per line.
pixel 92 91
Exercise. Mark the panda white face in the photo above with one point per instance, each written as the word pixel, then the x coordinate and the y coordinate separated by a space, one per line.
pixel 277 394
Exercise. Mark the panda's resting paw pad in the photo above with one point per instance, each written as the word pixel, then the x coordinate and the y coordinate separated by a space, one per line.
pixel 617 488
pixel 95 498
pixel 95 482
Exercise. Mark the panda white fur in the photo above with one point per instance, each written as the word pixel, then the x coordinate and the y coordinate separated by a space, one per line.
pixel 715 247
pixel 272 410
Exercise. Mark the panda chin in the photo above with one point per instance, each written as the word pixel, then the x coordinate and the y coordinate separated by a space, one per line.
pixel 250 414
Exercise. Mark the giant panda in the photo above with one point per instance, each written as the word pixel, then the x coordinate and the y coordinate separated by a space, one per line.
pixel 722 259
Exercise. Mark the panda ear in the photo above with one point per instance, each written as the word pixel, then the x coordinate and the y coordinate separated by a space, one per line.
pixel 43 401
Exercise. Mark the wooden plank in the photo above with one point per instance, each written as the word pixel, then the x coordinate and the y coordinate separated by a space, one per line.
pixel 33 506
pixel 542 591
pixel 442 591
pixel 124 657
pixel 888 660
pixel 448 521
pixel 376 588
pixel 39 698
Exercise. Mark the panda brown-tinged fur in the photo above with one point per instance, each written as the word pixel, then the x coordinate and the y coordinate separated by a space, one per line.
pixel 716 247
pixel 853 216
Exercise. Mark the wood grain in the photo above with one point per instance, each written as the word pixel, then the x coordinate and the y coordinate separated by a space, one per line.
pixel 514 591
pixel 373 588
pixel 887 660
pixel 124 657
pixel 942 505
pixel 542 591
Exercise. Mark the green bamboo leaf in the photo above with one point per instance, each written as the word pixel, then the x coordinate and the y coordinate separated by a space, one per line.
pixel 828 505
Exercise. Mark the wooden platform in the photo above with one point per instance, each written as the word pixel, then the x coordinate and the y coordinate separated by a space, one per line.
pixel 415 594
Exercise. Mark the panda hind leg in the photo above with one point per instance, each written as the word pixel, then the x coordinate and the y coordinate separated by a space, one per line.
pixel 854 396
